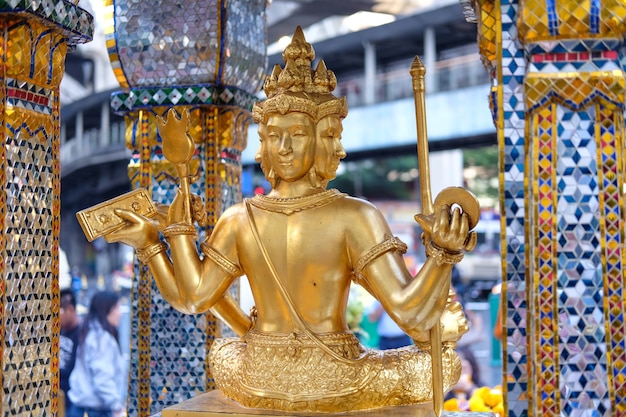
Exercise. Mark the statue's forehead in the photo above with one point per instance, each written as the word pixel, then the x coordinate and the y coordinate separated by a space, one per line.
pixel 329 122
pixel 292 118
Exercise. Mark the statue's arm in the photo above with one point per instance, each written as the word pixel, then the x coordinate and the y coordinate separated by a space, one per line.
pixel 221 254
pixel 230 312
pixel 185 282
pixel 415 303
pixel 202 283
pixel 173 283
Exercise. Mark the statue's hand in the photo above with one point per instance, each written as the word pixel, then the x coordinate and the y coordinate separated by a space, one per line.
pixel 454 323
pixel 162 211
pixel 448 230
pixel 176 211
pixel 139 231
pixel 451 230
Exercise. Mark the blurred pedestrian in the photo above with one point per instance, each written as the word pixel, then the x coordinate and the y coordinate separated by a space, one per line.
pixel 497 326
pixel 97 381
pixel 70 327
pixel 390 335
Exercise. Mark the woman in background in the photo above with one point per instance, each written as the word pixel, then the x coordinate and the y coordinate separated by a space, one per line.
pixel 97 381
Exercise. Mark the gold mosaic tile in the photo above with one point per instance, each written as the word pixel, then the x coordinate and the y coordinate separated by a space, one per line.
pixel 540 20
pixel 487 33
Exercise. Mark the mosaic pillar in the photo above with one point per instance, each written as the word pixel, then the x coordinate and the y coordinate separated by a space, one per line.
pixel 207 57
pixel 558 103
pixel 35 40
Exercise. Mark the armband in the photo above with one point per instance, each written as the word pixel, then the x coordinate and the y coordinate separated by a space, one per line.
pixel 389 244
pixel 144 255
pixel 442 256
pixel 221 260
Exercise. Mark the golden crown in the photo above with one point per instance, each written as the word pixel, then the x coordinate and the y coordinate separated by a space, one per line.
pixel 299 88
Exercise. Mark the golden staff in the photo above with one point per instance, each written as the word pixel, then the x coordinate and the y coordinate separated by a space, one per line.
pixel 450 196
pixel 418 72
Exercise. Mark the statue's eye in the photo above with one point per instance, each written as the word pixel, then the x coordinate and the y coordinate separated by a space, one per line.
pixel 330 135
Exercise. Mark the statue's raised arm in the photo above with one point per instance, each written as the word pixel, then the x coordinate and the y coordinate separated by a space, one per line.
pixel 301 247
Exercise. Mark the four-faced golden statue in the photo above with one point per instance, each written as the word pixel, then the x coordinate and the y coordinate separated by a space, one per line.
pixel 301 247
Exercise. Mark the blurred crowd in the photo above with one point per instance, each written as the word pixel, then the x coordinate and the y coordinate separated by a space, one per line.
pixel 92 364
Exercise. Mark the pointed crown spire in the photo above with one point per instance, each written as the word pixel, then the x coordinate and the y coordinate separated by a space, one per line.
pixel 299 88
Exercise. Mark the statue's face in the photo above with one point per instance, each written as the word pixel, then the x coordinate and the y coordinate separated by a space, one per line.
pixel 290 144
pixel 329 150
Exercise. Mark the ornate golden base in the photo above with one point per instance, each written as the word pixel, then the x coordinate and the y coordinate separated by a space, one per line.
pixel 214 404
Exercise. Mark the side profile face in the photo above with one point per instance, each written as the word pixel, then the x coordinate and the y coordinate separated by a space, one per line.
pixel 114 315
pixel 289 141
pixel 67 316
pixel 329 150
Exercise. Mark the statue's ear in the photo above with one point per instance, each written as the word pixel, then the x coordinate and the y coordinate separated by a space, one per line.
pixel 314 179
pixel 272 178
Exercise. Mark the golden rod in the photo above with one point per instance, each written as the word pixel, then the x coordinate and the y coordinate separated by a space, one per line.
pixel 178 149
pixel 418 72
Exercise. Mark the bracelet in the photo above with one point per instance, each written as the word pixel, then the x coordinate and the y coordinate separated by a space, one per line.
pixel 144 255
pixel 442 256
pixel 177 229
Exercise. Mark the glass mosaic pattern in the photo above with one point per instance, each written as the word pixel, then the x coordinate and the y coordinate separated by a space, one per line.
pixel 511 115
pixel 171 43
pixel 244 50
pixel 169 349
pixel 33 57
pixel 611 142
pixel 72 22
pixel 569 281
pixel 148 97
pixel 30 219
pixel 564 318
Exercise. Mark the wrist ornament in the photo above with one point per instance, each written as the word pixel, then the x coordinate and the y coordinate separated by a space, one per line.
pixel 144 255
pixel 442 256
pixel 178 229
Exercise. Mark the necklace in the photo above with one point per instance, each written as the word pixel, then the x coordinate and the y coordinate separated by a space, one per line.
pixel 292 205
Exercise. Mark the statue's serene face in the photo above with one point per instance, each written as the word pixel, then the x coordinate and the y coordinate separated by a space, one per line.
pixel 290 142
pixel 329 150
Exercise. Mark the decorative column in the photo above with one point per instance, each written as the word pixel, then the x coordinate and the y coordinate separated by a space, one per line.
pixel 36 37
pixel 558 102
pixel 208 57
